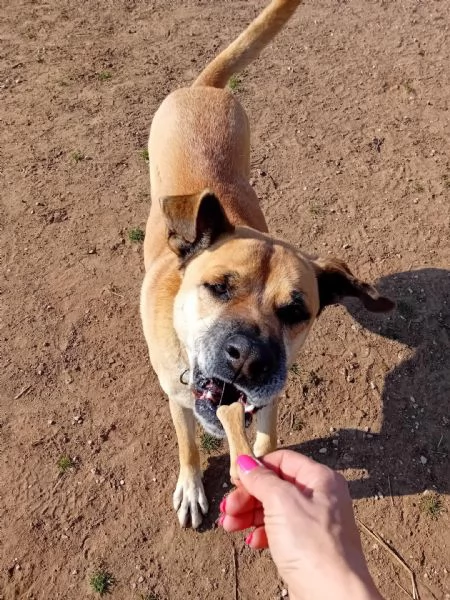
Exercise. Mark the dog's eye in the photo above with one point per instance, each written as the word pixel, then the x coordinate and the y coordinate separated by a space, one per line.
pixel 219 290
pixel 294 313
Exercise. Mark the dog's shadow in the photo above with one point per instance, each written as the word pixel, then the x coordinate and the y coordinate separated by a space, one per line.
pixel 410 452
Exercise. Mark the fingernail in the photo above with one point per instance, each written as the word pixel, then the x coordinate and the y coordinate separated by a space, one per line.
pixel 220 520
pixel 223 504
pixel 249 538
pixel 247 463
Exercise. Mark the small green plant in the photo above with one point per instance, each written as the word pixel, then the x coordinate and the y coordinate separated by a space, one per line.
pixel 104 75
pixel 144 154
pixel 78 156
pixel 431 505
pixel 65 463
pixel 295 369
pixel 210 443
pixel 101 581
pixel 136 235
pixel 315 209
pixel 234 82
pixel 409 88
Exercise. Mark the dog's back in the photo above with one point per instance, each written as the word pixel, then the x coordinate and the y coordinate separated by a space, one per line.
pixel 200 135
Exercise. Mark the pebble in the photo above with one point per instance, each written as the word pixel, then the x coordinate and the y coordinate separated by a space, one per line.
pixel 423 460
pixel 367 429
pixel 323 451
pixel 284 593
pixel 335 442
pixel 332 429
pixel 122 482
pixel 75 572
pixel 50 422
pixel 345 246
pixel 224 485
pixel 141 579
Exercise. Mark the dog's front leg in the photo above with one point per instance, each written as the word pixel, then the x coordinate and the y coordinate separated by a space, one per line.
pixel 266 429
pixel 189 499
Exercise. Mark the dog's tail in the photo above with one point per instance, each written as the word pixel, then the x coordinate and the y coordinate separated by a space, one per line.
pixel 248 45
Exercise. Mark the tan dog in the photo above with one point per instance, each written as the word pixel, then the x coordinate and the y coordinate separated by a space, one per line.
pixel 225 307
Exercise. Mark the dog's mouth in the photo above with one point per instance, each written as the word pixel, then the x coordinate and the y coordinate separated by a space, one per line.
pixel 217 392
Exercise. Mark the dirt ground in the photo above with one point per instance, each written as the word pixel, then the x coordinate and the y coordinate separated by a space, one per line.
pixel 350 157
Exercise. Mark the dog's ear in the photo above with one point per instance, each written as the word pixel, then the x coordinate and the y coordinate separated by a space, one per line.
pixel 194 222
pixel 336 281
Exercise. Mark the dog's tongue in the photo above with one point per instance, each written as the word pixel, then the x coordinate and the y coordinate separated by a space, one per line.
pixel 218 393
pixel 223 393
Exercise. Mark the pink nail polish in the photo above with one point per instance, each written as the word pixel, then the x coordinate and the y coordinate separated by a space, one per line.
pixel 223 504
pixel 247 463
pixel 249 538
pixel 220 520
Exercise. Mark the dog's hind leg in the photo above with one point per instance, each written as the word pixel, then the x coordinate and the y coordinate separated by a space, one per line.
pixel 266 430
pixel 189 499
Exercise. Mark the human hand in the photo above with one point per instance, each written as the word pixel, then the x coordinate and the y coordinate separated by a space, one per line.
pixel 303 512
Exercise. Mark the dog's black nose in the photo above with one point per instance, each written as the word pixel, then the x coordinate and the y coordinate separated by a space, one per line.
pixel 250 357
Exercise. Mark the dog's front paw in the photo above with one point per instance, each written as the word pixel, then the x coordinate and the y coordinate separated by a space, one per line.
pixel 189 499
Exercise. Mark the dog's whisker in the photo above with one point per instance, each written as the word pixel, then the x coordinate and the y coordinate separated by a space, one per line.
pixel 223 391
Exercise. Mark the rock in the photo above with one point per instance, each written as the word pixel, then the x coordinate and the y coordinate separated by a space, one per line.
pixel 122 482
pixel 284 593
pixel 323 451
pixel 423 460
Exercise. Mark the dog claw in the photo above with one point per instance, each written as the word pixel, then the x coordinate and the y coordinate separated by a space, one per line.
pixel 189 500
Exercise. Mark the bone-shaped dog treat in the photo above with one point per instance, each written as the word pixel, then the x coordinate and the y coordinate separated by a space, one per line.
pixel 232 418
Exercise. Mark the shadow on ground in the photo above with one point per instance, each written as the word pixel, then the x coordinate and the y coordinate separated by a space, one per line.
pixel 410 453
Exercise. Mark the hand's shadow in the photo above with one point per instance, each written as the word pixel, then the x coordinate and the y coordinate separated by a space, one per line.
pixel 409 454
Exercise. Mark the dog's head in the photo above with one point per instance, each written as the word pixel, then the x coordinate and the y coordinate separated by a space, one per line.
pixel 246 304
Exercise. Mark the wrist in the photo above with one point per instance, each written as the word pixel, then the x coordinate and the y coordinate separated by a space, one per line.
pixel 340 585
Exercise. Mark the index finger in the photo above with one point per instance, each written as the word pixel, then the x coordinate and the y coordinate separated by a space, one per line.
pixel 305 473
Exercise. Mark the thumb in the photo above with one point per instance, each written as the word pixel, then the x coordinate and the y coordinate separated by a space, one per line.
pixel 259 481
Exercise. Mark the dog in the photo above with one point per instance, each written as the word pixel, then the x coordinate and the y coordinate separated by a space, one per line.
pixel 225 307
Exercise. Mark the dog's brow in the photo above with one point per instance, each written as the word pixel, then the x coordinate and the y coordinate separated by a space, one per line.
pixel 228 277
pixel 297 299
